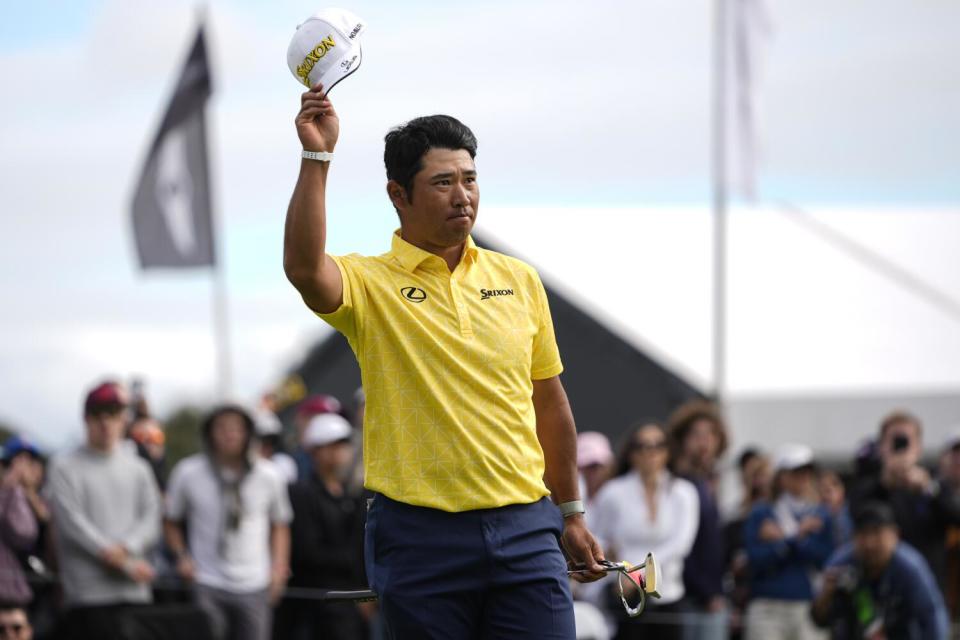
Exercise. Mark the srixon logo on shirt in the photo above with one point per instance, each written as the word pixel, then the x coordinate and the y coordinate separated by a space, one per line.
pixel 492 293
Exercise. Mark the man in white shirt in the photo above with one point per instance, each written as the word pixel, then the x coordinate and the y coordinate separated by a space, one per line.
pixel 236 510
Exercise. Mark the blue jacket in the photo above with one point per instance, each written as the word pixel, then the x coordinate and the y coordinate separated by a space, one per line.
pixel 781 570
pixel 905 597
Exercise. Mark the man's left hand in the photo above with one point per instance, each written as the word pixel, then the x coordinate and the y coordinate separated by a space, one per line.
pixel 278 583
pixel 582 548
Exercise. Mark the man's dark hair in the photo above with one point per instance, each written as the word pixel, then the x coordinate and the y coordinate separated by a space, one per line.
pixel 746 456
pixel 406 145
pixel 873 514
pixel 206 428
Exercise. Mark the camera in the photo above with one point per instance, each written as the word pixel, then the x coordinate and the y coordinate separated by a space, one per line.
pixel 847 579
pixel 900 442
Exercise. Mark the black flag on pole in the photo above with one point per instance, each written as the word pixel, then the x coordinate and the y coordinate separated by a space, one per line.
pixel 172 211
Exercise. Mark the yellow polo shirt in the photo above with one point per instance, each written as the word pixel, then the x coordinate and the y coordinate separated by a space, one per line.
pixel 448 362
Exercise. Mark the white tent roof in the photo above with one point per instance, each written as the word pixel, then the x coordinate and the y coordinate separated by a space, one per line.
pixel 815 335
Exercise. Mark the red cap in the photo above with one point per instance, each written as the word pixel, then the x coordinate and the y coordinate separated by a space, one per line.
pixel 107 397
pixel 315 405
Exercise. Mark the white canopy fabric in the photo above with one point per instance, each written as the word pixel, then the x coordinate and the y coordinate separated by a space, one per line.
pixel 820 344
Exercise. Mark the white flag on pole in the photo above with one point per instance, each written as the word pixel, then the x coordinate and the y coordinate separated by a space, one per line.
pixel 751 32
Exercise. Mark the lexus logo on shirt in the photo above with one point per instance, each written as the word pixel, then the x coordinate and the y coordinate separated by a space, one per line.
pixel 413 294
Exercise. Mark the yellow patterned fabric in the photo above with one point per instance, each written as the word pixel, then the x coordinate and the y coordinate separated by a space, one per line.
pixel 448 362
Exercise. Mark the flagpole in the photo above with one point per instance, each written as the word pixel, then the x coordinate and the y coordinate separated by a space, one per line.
pixel 219 294
pixel 719 144
pixel 221 332
pixel 221 306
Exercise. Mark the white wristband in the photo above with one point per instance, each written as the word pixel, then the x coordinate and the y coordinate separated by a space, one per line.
pixel 571 508
pixel 321 156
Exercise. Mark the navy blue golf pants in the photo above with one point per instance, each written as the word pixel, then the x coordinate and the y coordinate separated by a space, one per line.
pixel 489 573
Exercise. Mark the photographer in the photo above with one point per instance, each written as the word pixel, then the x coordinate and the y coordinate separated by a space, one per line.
pixel 879 587
pixel 920 509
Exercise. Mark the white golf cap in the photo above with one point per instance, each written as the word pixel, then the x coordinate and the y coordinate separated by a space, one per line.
pixel 266 423
pixel 326 48
pixel 326 428
pixel 793 456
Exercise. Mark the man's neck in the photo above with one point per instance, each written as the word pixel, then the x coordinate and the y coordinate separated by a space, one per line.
pixel 331 480
pixel 233 463
pixel 102 450
pixel 450 255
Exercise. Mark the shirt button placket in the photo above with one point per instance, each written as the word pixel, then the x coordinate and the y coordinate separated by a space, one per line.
pixel 461 307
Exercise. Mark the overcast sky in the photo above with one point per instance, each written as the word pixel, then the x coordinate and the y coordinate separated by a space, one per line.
pixel 593 123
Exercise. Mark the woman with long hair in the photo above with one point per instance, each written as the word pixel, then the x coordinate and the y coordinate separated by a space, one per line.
pixel 645 508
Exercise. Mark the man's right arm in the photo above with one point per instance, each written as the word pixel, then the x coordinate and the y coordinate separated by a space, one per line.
pixel 823 607
pixel 305 261
pixel 69 517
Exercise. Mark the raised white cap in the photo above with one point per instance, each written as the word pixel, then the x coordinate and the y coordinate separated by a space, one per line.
pixel 326 48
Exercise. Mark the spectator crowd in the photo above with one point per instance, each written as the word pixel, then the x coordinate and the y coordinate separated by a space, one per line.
pixel 242 539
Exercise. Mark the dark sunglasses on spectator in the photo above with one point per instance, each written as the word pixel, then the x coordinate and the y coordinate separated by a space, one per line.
pixel 644 446
pixel 16 628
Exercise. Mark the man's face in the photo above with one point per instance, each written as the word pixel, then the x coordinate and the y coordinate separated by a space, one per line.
pixel 228 436
pixel 14 625
pixel 441 210
pixel 874 547
pixel 832 491
pixel 900 445
pixel 335 457
pixel 104 430
pixel 702 444
pixel 798 482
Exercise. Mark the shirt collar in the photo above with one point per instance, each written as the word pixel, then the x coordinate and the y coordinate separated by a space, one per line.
pixel 410 257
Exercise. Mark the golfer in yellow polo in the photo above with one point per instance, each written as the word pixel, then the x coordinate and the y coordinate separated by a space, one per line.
pixel 468 434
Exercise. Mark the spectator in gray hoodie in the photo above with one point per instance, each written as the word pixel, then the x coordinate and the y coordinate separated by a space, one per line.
pixel 106 518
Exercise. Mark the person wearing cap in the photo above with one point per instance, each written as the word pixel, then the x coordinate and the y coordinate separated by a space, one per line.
pixel 311 406
pixel 923 512
pixel 467 427
pixel 878 586
pixel 594 457
pixel 21 451
pixel 270 444
pixel 787 541
pixel 233 507
pixel 326 535
pixel 27 464
pixel 106 518
pixel 18 525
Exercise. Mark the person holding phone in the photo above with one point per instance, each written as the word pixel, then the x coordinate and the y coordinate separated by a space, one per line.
pixel 921 510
